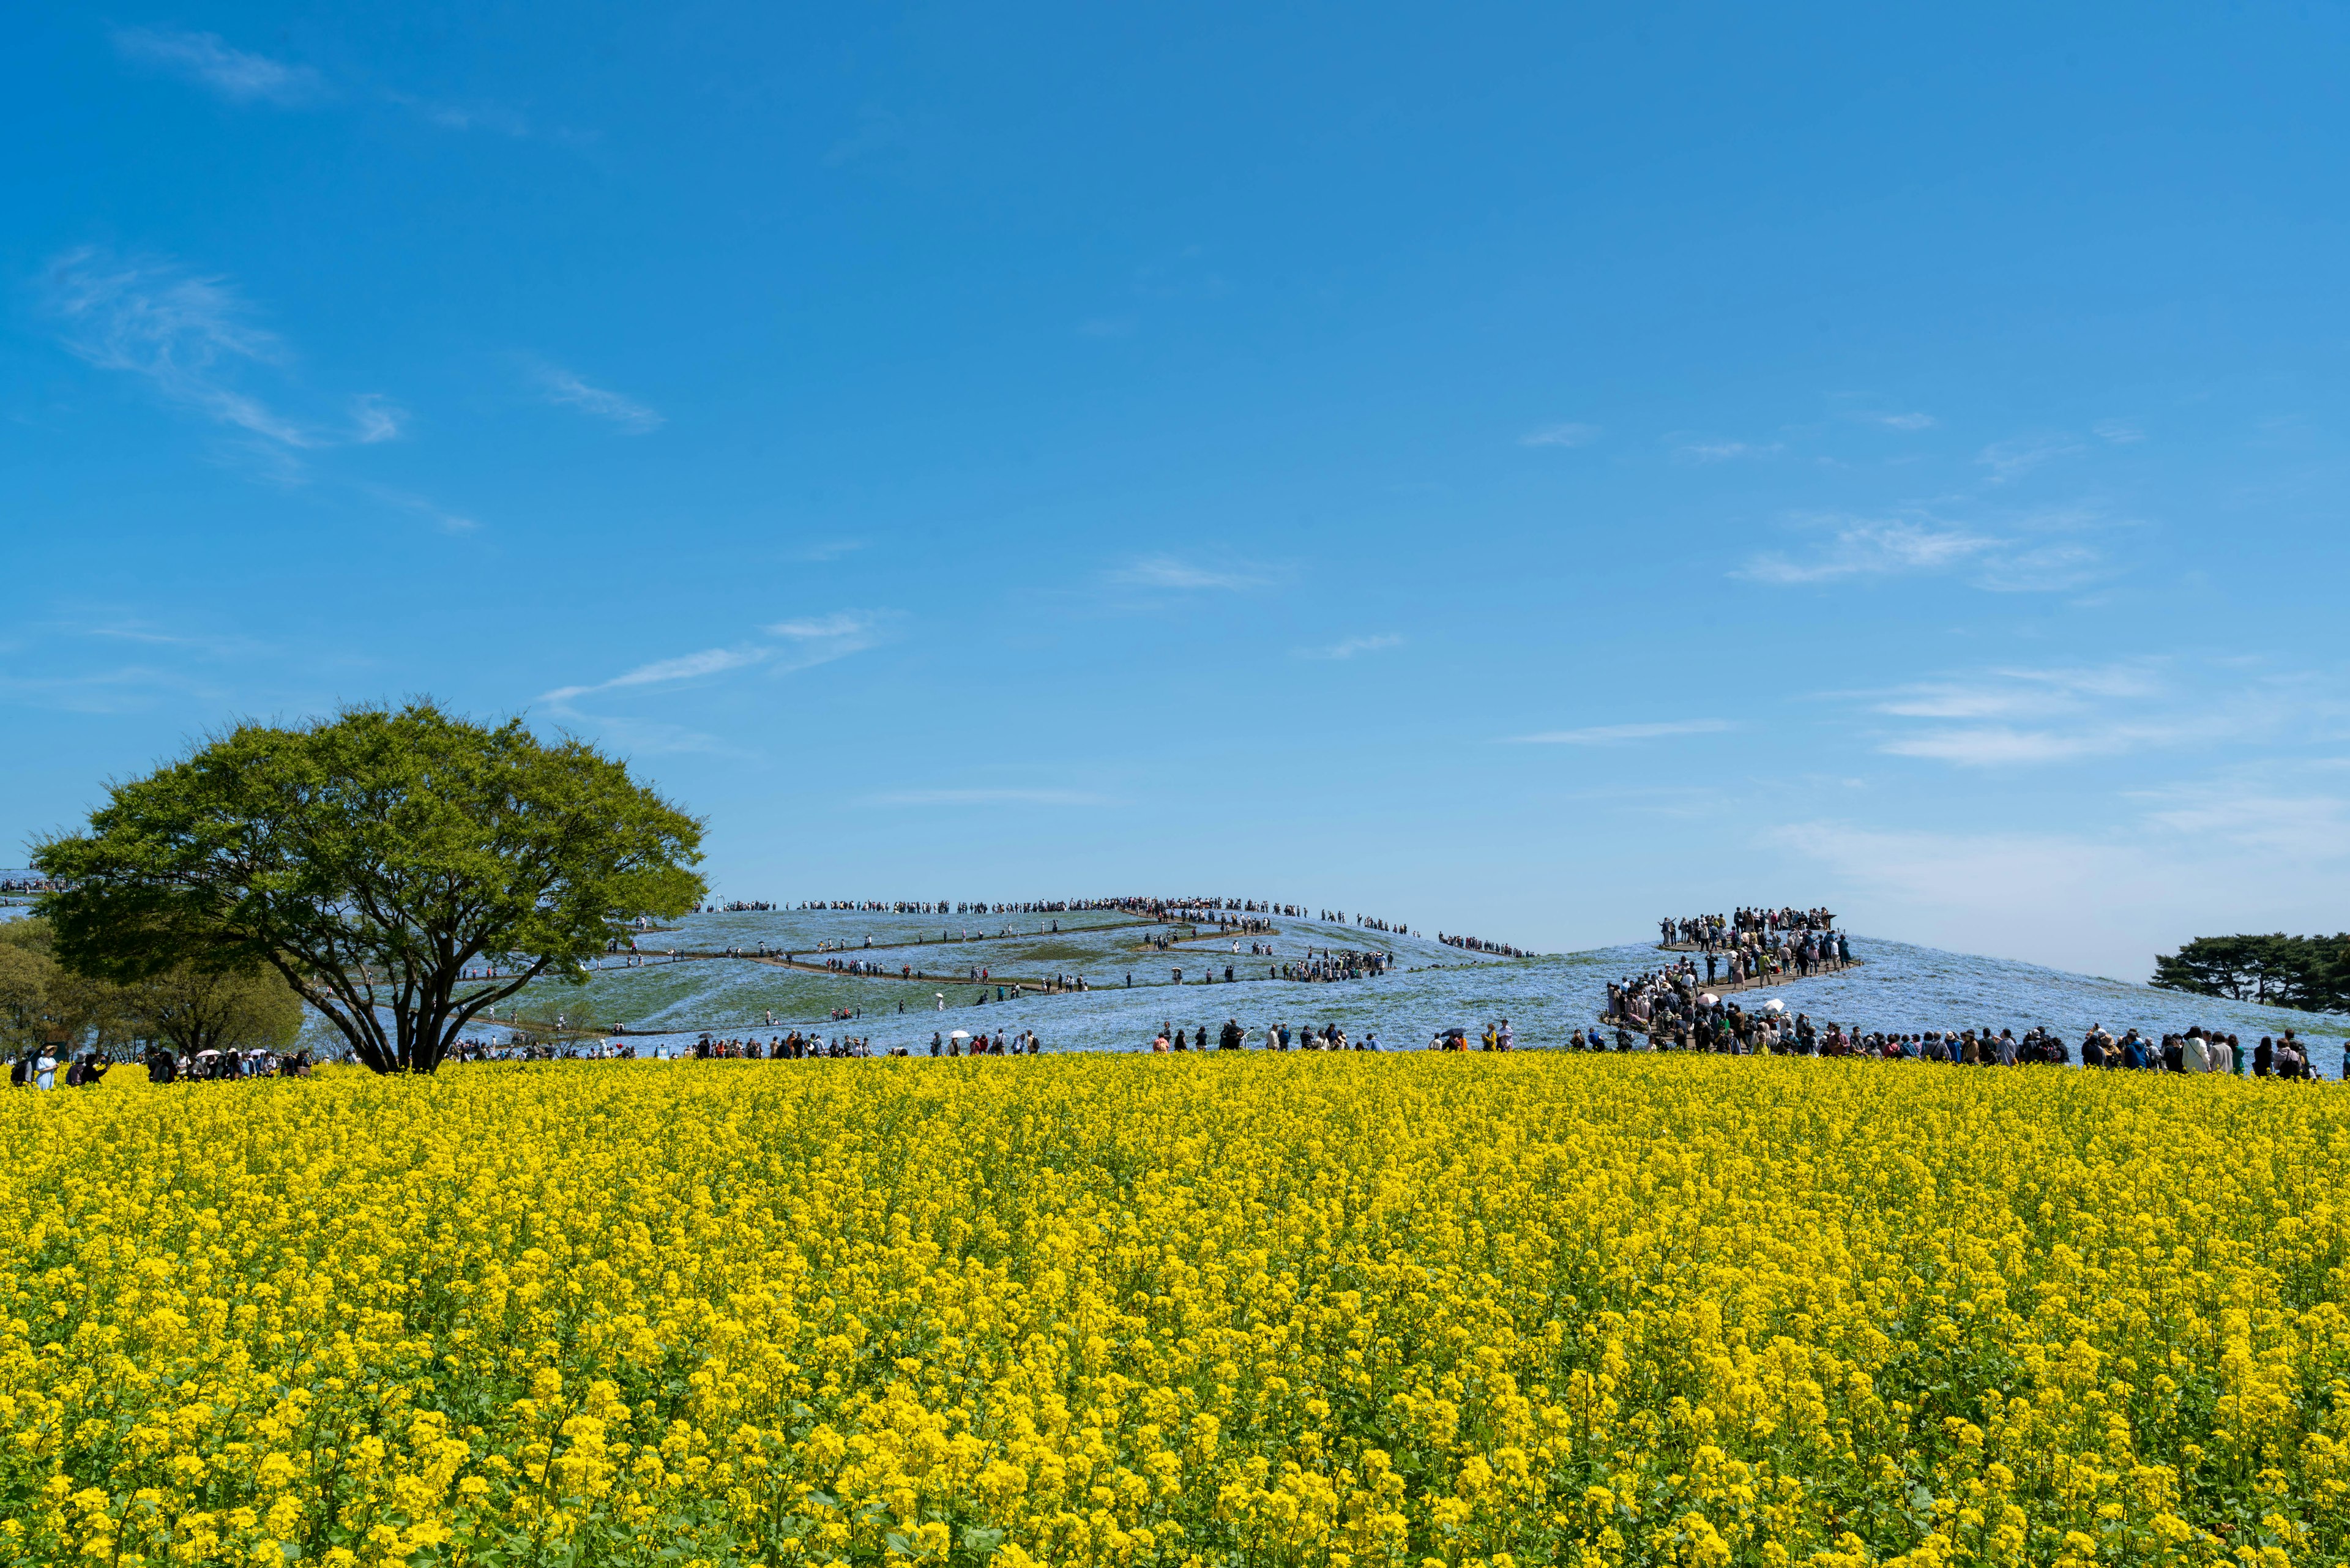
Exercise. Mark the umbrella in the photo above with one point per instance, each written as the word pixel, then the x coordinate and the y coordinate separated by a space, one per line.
pixel 1774 1005
pixel 1708 998
pixel 959 1034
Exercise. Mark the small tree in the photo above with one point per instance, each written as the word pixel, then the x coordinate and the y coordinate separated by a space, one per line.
pixel 402 870
pixel 204 1009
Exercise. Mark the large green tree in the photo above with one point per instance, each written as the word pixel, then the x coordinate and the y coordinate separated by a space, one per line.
pixel 403 869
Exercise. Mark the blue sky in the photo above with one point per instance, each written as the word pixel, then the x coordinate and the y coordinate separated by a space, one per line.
pixel 1520 470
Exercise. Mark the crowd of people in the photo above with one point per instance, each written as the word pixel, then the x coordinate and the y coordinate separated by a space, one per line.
pixel 1232 1036
pixel 529 1048
pixel 1712 1024
pixel 1745 926
pixel 52 1067
pixel 1478 945
pixel 1677 990
pixel 957 1042
pixel 1327 963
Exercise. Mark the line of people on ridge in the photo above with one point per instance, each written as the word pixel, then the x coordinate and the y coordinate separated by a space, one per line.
pixel 1478 945
pixel 1763 926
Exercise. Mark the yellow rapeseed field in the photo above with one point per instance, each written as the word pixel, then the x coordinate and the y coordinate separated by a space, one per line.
pixel 1478 1311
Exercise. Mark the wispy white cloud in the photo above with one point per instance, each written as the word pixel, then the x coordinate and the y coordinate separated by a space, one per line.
pixel 209 62
pixel 1622 734
pixel 1865 547
pixel 2252 812
pixel 2119 433
pixel 2044 551
pixel 1073 797
pixel 1170 572
pixel 2012 459
pixel 1909 421
pixel 2018 692
pixel 441 517
pixel 375 419
pixel 2016 717
pixel 2006 745
pixel 2043 569
pixel 1724 451
pixel 128 688
pixel 1569 434
pixel 242 76
pixel 463 117
pixel 2194 859
pixel 1351 646
pixel 559 385
pixel 793 645
pixel 189 337
pixel 827 549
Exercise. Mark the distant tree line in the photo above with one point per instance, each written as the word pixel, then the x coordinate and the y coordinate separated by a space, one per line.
pixel 45 1005
pixel 2308 972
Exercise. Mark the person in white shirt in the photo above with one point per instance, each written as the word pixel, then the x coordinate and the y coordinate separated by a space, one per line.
pixel 45 1072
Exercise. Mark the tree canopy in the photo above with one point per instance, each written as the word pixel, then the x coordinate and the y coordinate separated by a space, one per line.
pixel 196 1009
pixel 2308 972
pixel 41 1002
pixel 402 870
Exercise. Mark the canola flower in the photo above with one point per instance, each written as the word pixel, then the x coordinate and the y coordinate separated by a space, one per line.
pixel 1414 1312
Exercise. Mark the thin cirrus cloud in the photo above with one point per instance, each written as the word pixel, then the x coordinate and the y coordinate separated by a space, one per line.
pixel 1173 572
pixel 2044 554
pixel 448 521
pixel 1073 797
pixel 787 646
pixel 1568 434
pixel 205 59
pixel 2021 717
pixel 1865 547
pixel 373 420
pixel 1624 734
pixel 2011 460
pixel 1351 646
pixel 2229 855
pixel 1908 421
pixel 561 386
pixel 1707 451
pixel 242 78
pixel 191 338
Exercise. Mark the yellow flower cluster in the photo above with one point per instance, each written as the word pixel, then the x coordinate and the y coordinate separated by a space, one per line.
pixel 1422 1311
